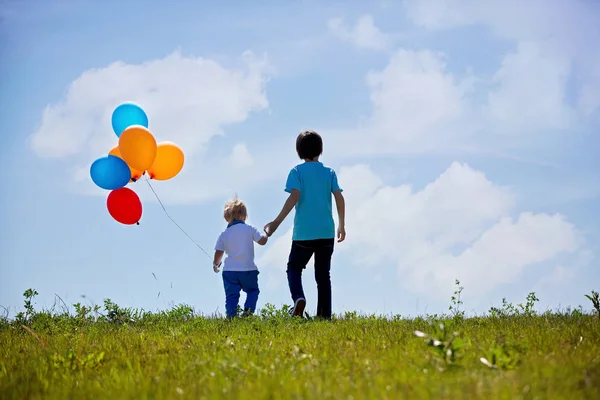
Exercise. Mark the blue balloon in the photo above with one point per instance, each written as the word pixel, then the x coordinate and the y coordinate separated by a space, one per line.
pixel 110 172
pixel 128 114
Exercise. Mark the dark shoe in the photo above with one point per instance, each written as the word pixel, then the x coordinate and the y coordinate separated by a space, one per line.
pixel 247 312
pixel 298 309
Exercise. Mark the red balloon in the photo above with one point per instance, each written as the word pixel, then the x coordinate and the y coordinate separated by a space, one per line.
pixel 124 206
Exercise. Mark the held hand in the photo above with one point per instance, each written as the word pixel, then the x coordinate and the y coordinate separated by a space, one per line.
pixel 271 227
pixel 216 268
pixel 341 234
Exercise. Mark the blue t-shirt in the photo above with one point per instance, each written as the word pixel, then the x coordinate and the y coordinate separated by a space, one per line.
pixel 314 215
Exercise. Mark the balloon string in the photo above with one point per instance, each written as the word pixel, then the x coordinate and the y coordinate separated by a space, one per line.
pixel 172 220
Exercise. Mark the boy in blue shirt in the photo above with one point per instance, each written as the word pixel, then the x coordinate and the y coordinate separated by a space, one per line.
pixel 311 185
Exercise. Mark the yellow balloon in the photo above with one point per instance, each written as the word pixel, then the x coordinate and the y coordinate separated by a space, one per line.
pixel 168 162
pixel 135 174
pixel 137 147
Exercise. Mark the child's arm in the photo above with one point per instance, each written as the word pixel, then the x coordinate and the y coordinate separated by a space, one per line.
pixel 289 204
pixel 258 237
pixel 341 210
pixel 219 251
pixel 217 260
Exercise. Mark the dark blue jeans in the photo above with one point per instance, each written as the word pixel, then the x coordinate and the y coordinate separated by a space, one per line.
pixel 234 281
pixel 300 255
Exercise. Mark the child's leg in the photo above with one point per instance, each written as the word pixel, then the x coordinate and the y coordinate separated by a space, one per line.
pixel 300 255
pixel 232 292
pixel 323 253
pixel 249 282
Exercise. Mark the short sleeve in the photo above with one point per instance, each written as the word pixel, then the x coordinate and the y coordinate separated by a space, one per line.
pixel 256 235
pixel 293 181
pixel 220 246
pixel 334 183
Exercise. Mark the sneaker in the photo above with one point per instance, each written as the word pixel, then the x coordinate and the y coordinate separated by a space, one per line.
pixel 298 309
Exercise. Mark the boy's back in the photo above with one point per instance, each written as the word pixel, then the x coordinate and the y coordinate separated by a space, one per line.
pixel 239 272
pixel 311 185
pixel 238 242
pixel 314 214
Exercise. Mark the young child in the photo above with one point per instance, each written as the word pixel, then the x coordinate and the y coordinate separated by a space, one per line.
pixel 240 271
pixel 310 186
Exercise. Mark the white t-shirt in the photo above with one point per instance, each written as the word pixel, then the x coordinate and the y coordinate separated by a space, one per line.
pixel 237 241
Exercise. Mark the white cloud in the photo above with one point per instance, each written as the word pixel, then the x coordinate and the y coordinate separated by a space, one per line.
pixel 513 19
pixel 188 101
pixel 364 34
pixel 500 255
pixel 532 90
pixel 413 95
pixel 419 105
pixel 554 39
pixel 458 226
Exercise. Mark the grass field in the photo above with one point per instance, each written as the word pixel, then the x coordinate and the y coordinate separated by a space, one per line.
pixel 117 353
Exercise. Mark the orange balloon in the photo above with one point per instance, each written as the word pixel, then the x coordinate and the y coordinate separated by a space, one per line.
pixel 137 147
pixel 168 162
pixel 135 174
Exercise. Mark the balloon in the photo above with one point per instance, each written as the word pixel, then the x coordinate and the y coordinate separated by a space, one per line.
pixel 168 162
pixel 128 114
pixel 110 172
pixel 135 174
pixel 137 147
pixel 124 206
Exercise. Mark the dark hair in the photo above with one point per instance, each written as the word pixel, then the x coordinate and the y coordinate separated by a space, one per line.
pixel 309 145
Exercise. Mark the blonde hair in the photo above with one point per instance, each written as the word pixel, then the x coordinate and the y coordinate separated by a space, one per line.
pixel 234 209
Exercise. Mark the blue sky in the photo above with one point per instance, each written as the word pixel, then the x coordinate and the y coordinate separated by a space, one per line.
pixel 464 134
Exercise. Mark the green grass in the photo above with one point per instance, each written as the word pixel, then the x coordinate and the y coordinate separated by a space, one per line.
pixel 119 353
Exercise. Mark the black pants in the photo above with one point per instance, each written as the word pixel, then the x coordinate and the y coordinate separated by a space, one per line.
pixel 300 254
